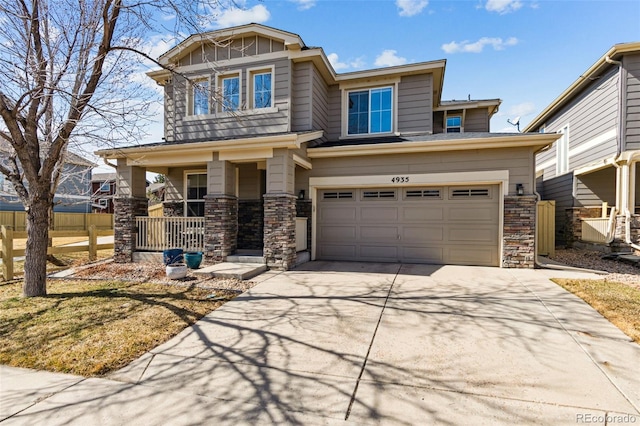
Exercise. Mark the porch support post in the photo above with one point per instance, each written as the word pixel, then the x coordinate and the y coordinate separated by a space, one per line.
pixel 130 201
pixel 220 211
pixel 518 245
pixel 280 211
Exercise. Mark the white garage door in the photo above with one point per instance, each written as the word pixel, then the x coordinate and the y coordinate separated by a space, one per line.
pixel 442 225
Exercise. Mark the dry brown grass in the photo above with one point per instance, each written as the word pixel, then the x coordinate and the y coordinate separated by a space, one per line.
pixel 617 302
pixel 93 328
pixel 70 259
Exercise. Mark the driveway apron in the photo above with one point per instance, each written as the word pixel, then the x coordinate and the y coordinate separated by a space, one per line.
pixel 359 343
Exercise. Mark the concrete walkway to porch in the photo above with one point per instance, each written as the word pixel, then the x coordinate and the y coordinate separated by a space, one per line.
pixel 355 343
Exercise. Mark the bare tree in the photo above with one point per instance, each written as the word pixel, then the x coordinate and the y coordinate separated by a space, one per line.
pixel 67 81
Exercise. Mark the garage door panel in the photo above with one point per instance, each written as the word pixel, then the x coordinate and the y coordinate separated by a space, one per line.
pixel 337 214
pixel 481 256
pixel 384 253
pixel 334 251
pixel 472 213
pixel 422 214
pixel 379 233
pixel 473 234
pixel 379 214
pixel 423 254
pixel 422 234
pixel 337 233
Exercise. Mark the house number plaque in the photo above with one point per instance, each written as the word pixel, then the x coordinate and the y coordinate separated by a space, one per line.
pixel 400 179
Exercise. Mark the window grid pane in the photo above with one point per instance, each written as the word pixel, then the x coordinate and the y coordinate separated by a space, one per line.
pixel 230 94
pixel 262 90
pixel 370 111
pixel 201 98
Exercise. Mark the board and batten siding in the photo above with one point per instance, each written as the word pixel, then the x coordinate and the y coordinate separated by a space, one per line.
pixel 223 50
pixel 241 123
pixel 590 115
pixel 415 103
pixel 631 117
pixel 518 161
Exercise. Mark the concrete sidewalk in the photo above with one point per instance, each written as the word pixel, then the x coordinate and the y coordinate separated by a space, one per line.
pixel 369 343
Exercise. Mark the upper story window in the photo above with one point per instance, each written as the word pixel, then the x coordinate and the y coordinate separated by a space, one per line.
pixel 562 151
pixel 370 111
pixel 230 88
pixel 105 187
pixel 200 97
pixel 261 88
pixel 454 124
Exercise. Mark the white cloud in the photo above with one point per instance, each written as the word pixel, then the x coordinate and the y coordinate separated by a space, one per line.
pixel 411 7
pixel 477 47
pixel 341 66
pixel 304 4
pixel 389 58
pixel 521 109
pixel 236 16
pixel 503 6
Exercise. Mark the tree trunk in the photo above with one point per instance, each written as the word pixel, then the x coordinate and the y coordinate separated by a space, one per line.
pixel 35 265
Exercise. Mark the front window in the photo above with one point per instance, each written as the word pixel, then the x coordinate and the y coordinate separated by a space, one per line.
pixel 231 93
pixel 105 187
pixel 200 97
pixel 370 111
pixel 196 190
pixel 454 124
pixel 262 90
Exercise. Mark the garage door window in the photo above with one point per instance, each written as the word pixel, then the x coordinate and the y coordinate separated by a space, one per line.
pixel 470 193
pixel 334 195
pixel 422 193
pixel 387 195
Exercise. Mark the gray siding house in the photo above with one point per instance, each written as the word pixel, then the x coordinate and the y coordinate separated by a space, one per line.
pixel 594 161
pixel 74 190
pixel 267 149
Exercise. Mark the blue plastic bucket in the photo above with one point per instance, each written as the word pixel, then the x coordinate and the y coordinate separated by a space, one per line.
pixel 193 259
pixel 172 256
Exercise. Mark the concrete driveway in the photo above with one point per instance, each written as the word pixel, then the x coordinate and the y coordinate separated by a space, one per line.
pixel 365 343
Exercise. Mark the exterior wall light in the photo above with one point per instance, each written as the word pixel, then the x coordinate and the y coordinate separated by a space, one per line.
pixel 520 189
pixel 301 194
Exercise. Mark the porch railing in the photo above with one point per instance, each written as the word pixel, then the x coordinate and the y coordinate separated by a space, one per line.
pixel 161 233
pixel 595 230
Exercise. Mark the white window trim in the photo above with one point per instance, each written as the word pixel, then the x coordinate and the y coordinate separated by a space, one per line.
pixel 250 89
pixel 346 89
pixel 219 91
pixel 185 198
pixel 562 151
pixel 447 116
pixel 189 97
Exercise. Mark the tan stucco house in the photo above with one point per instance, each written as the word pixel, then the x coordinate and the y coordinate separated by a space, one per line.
pixel 267 148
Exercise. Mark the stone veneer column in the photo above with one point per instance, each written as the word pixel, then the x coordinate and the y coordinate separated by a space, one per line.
pixel 280 230
pixel 124 227
pixel 220 227
pixel 173 208
pixel 619 244
pixel 519 233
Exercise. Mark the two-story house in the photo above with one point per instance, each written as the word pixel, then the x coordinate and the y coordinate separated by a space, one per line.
pixel 594 161
pixel 261 130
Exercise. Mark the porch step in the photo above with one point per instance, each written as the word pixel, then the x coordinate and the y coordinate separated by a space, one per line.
pixel 630 258
pixel 239 270
pixel 246 258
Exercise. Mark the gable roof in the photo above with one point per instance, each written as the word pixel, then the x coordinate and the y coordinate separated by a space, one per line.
pixel 585 79
pixel 71 158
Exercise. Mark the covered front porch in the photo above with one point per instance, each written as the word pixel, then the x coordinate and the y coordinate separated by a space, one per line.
pixel 219 201
pixel 607 213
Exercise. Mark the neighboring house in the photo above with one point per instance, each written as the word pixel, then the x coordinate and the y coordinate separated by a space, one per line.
pixel 594 161
pixel 103 188
pixel 155 193
pixel 260 129
pixel 74 189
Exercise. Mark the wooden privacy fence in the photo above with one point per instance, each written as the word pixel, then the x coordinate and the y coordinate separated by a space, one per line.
pixel 8 253
pixel 156 210
pixel 546 228
pixel 61 221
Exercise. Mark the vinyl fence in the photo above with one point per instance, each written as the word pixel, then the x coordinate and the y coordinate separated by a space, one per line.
pixel 61 221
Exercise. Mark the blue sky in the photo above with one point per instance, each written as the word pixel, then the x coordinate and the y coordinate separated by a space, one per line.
pixel 523 52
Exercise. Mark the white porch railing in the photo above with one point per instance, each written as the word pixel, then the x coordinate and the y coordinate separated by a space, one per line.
pixel 595 230
pixel 161 233
pixel 301 233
